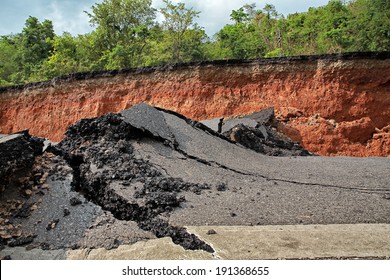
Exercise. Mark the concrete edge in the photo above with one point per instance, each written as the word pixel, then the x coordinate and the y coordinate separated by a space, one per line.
pixel 362 241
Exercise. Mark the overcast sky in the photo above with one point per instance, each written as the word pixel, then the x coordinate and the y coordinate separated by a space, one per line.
pixel 68 15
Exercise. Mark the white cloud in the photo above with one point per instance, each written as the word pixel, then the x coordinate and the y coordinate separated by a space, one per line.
pixel 69 17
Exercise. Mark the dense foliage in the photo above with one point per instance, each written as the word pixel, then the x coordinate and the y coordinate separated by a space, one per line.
pixel 127 35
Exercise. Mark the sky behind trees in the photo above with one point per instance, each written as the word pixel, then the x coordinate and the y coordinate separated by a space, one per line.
pixel 68 15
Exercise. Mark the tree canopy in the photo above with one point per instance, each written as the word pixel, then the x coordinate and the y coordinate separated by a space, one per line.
pixel 127 34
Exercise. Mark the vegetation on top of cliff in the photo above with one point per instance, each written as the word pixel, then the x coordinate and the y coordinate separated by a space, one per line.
pixel 127 35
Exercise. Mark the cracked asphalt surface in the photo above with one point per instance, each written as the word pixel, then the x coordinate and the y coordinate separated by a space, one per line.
pixel 148 173
pixel 270 190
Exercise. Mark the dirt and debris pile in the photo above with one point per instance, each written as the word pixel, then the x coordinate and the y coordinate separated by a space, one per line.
pixel 258 132
pixel 265 140
pixel 17 154
pixel 101 153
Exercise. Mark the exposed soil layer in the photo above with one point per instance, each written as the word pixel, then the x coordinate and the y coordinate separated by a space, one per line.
pixel 332 104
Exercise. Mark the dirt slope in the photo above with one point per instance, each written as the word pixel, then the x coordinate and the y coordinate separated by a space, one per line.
pixel 332 105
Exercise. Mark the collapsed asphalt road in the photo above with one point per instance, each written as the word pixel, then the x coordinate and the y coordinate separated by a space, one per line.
pixel 147 173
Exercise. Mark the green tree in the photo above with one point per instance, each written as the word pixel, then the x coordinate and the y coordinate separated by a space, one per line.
pixel 90 51
pixel 33 47
pixel 269 27
pixel 8 65
pixel 36 40
pixel 122 31
pixel 182 35
pixel 215 50
pixel 66 57
pixel 370 25
pixel 241 38
pixel 319 30
pixel 241 41
pixel 299 35
pixel 333 36
pixel 239 16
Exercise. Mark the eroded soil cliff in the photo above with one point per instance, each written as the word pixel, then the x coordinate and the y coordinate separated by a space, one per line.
pixel 332 105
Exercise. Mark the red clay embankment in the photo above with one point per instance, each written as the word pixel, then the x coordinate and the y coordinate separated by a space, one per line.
pixel 332 104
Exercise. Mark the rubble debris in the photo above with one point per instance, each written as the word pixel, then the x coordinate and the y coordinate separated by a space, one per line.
pixel 28 192
pixel 105 145
pixel 24 211
pixel 66 212
pixel 229 124
pixel 8 210
pixel 221 187
pixel 17 154
pixel 52 224
pixel 265 140
pixel 257 131
pixel 8 231
pixel 33 207
pixel 179 235
pixel 45 246
pixel 75 201
pixel 211 232
pixel 21 241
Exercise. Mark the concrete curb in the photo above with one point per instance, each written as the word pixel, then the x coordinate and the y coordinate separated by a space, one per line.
pixel 262 242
